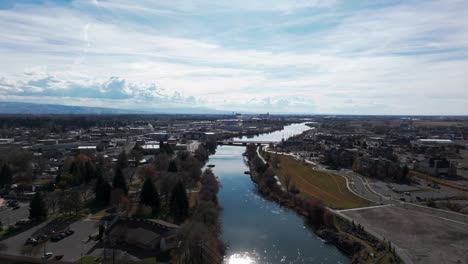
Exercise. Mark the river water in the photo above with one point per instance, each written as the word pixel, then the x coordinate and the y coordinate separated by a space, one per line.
pixel 257 230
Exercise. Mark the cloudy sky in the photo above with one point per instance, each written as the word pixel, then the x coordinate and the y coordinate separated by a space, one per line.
pixel 303 56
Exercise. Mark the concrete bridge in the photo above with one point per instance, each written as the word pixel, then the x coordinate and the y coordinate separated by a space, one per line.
pixel 243 143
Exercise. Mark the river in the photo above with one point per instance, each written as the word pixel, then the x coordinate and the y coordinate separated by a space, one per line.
pixel 257 230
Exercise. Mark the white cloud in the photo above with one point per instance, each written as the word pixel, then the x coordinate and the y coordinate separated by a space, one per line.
pixel 393 59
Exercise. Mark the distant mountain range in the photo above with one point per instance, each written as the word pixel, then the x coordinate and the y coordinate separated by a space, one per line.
pixel 40 109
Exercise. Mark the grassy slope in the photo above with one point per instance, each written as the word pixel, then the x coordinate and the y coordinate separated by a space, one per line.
pixel 329 188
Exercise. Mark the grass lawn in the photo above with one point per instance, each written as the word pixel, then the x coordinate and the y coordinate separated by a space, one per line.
pixel 331 189
pixel 41 181
pixel 87 260
pixel 193 199
pixel 149 261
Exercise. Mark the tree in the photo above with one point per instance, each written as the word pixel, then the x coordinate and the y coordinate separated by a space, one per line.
pixel 150 196
pixel 172 166
pixel 70 201
pixel 37 207
pixel 287 182
pixel 120 201
pixel 89 171
pixel 315 212
pixel 202 154
pixel 119 181
pixel 161 162
pixel 122 160
pixel 209 187
pixel 165 148
pixel 5 174
pixel 275 161
pixel 211 144
pixel 179 204
pixel 52 201
pixel 102 191
pixel 405 171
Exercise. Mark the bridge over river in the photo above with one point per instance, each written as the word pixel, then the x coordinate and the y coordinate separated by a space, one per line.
pixel 247 142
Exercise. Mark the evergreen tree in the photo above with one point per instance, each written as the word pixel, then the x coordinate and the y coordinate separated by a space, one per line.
pixel 405 171
pixel 6 174
pixel 119 181
pixel 37 207
pixel 89 172
pixel 150 196
pixel 122 160
pixel 172 166
pixel 102 191
pixel 165 148
pixel 179 204
pixel 161 146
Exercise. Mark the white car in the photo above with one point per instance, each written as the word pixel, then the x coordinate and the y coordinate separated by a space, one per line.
pixel 47 255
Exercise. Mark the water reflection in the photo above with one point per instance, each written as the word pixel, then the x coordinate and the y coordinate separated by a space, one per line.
pixel 287 132
pixel 242 258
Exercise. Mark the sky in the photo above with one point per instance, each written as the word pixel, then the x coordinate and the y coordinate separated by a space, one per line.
pixel 293 56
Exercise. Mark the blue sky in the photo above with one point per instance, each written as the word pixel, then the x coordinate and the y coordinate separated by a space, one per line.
pixel 292 56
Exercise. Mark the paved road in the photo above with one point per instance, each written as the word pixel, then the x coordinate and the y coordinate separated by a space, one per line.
pixel 361 186
pixel 11 216
pixel 129 146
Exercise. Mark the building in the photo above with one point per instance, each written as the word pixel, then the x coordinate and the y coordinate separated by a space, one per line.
pixel 5 141
pixel 150 148
pixel 147 235
pixel 429 142
pixel 439 167
pixel 158 136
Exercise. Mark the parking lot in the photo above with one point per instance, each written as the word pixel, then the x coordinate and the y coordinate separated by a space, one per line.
pixel 10 216
pixel 71 247
pixel 424 238
pixel 410 193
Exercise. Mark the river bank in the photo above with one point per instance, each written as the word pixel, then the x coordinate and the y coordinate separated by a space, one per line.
pixel 345 235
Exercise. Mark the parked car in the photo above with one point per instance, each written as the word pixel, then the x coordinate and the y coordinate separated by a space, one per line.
pixel 47 255
pixel 42 237
pixel 31 241
pixel 12 203
pixel 55 238
pixel 23 222
pixel 69 232
pixel 58 257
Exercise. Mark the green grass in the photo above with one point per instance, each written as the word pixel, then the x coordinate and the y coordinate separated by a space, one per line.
pixel 193 199
pixel 331 189
pixel 41 181
pixel 149 260
pixel 87 260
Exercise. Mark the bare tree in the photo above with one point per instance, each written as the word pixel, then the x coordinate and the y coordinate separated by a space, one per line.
pixel 85 192
pixel 120 201
pixel 70 201
pixel 287 182
pixel 275 161
pixel 53 201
